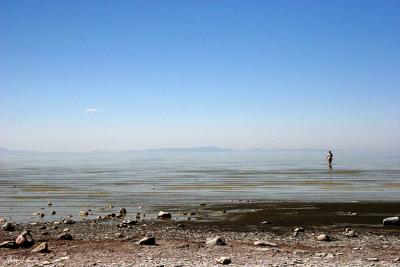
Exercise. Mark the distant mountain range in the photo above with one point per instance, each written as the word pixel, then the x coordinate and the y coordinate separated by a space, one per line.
pixel 191 149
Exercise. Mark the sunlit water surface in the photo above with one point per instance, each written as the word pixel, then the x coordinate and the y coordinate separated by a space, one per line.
pixel 72 182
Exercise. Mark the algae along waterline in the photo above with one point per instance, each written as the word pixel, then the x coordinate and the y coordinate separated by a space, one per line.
pixel 147 181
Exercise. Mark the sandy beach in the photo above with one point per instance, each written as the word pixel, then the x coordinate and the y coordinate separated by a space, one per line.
pixel 357 237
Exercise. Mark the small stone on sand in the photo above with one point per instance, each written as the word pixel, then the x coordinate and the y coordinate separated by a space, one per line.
pixel 164 215
pixel 223 260
pixel 148 240
pixel 324 237
pixel 216 241
pixel 65 236
pixel 42 248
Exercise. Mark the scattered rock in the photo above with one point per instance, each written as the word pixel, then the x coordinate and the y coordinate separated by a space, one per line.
pixel 122 212
pixel 265 222
pixel 53 212
pixel 42 227
pixel 49 204
pixel 8 244
pixel 202 204
pixel 65 236
pixel 216 241
pixel 68 221
pixel 25 239
pixel 223 260
pixel 148 240
pixel 8 227
pixel 126 223
pixel 83 213
pixel 299 229
pixel 118 235
pixel 164 215
pixel 372 259
pixel 350 233
pixel 324 237
pixel 42 248
pixel 264 244
pixel 391 221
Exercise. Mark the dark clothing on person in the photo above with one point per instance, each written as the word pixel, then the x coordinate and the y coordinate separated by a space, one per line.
pixel 330 158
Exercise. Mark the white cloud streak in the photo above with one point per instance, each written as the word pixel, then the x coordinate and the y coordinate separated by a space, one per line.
pixel 93 109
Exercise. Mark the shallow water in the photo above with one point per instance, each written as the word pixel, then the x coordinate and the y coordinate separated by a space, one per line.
pixel 28 181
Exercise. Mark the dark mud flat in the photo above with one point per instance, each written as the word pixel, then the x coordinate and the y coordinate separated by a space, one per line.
pixel 182 242
pixel 287 215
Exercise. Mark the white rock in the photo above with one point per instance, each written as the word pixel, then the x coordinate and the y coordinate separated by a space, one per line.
pixel 216 241
pixel 164 215
pixel 391 221
pixel 323 237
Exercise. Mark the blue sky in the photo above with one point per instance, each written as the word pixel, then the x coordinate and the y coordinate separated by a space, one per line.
pixel 117 75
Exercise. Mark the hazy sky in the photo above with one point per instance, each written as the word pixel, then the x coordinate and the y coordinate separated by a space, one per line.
pixel 117 75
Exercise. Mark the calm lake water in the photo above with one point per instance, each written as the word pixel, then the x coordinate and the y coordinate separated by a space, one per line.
pixel 28 181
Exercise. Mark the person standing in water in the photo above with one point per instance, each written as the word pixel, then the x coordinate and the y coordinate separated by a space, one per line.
pixel 329 158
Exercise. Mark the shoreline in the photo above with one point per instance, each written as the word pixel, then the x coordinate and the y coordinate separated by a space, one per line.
pixel 181 242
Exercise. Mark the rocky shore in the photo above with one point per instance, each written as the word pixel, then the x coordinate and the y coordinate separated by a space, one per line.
pixel 236 234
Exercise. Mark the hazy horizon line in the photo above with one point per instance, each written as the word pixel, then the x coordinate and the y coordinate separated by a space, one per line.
pixel 190 149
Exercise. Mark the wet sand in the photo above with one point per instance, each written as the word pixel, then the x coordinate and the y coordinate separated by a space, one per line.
pixel 181 242
pixel 284 215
